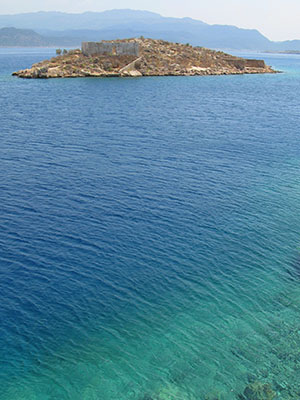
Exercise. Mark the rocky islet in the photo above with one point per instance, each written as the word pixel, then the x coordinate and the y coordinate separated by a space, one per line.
pixel 155 58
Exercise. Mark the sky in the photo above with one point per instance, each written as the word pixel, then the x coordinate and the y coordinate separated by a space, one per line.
pixel 276 19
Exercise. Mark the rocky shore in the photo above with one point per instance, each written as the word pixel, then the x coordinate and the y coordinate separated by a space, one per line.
pixel 155 58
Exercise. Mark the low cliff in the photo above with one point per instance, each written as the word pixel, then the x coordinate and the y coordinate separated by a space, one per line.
pixel 155 58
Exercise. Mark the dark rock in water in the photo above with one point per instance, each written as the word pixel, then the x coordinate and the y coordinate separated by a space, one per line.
pixel 178 378
pixel 251 378
pixel 147 397
pixel 258 391
pixel 264 373
pixel 214 395
pixel 294 270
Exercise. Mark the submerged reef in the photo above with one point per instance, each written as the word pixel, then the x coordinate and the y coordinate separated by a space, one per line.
pixel 258 391
pixel 142 57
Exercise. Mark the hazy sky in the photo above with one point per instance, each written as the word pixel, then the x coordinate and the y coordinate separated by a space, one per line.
pixel 277 19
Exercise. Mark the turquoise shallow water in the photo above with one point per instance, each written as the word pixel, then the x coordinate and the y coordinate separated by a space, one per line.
pixel 149 242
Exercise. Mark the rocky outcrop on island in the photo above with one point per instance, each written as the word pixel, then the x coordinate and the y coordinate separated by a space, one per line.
pixel 151 58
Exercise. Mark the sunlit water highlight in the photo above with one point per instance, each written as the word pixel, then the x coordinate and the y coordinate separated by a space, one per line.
pixel 150 233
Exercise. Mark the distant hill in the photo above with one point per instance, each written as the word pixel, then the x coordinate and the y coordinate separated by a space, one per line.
pixel 70 29
pixel 12 37
pixel 21 37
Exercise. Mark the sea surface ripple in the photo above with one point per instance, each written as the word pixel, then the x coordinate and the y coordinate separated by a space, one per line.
pixel 150 232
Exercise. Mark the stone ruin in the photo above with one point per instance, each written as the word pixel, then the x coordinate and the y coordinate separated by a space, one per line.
pixel 110 48
pixel 242 63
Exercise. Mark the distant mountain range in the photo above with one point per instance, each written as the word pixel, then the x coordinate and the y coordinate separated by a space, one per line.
pixel 63 29
pixel 12 37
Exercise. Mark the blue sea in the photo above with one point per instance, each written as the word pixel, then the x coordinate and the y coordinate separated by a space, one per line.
pixel 149 235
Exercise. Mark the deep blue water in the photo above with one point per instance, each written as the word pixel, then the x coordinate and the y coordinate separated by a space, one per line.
pixel 150 233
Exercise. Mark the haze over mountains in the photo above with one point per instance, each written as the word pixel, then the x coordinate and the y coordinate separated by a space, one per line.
pixel 63 29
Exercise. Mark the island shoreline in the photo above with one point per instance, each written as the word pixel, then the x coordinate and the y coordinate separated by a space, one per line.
pixel 139 57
